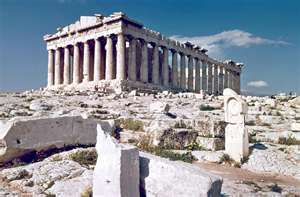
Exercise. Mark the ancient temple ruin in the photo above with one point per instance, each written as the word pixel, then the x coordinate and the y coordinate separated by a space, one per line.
pixel 116 48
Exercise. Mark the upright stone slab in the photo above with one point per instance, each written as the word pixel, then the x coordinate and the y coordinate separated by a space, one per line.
pixel 117 169
pixel 236 135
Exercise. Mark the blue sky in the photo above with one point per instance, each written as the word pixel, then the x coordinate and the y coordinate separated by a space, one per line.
pixel 263 34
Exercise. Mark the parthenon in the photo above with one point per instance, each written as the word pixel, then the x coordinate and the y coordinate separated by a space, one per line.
pixel 107 48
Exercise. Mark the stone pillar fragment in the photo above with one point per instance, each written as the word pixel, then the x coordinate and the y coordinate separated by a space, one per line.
pixel 197 75
pixel 117 168
pixel 76 65
pixel 50 67
pixel 121 47
pixel 174 69
pixel 144 62
pixel 190 73
pixel 236 135
pixel 165 68
pixel 209 78
pixel 204 76
pixel 57 79
pixel 155 63
pixel 215 80
pixel 221 79
pixel 86 62
pixel 132 60
pixel 182 72
pixel 109 59
pixel 66 66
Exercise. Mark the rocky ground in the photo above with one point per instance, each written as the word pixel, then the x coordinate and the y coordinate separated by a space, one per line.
pixel 183 122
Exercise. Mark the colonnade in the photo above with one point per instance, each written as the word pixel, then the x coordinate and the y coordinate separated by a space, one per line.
pixel 124 57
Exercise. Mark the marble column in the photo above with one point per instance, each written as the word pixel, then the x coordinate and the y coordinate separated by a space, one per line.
pixel 155 65
pixel 165 67
pixel 182 72
pixel 50 67
pixel 204 76
pixel 109 59
pixel 190 73
pixel 230 80
pixel 86 62
pixel 221 80
pixel 197 75
pixel 238 87
pixel 144 62
pixel 76 64
pixel 66 66
pixel 225 78
pixel 216 79
pixel 132 60
pixel 121 47
pixel 57 69
pixel 209 78
pixel 174 69
pixel 98 67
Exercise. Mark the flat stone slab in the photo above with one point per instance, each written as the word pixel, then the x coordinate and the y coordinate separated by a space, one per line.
pixel 18 137
pixel 164 178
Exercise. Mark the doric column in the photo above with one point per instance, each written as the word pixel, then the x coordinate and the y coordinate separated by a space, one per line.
pixel 174 69
pixel 109 59
pixel 182 72
pixel 86 62
pixel 190 73
pixel 238 87
pixel 221 79
pixel 144 62
pixel 57 67
pixel 165 67
pixel 155 65
pixel 121 47
pixel 132 60
pixel 76 63
pixel 50 67
pixel 66 66
pixel 230 79
pixel 204 76
pixel 209 78
pixel 226 78
pixel 98 67
pixel 215 80
pixel 197 75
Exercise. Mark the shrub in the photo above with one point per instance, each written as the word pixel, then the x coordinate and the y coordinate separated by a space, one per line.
pixel 85 157
pixel 194 146
pixel 290 140
pixel 145 145
pixel 207 108
pixel 87 192
pixel 131 124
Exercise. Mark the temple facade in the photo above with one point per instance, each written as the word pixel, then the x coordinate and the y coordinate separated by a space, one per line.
pixel 116 48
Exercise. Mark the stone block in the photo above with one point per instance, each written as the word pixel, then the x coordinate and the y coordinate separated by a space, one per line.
pixel 117 168
pixel 164 178
pixel 18 137
pixel 159 107
pixel 213 144
pixel 295 126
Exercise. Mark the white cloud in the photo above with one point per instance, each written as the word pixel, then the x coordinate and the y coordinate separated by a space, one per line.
pixel 258 84
pixel 233 38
